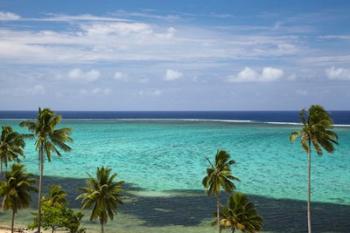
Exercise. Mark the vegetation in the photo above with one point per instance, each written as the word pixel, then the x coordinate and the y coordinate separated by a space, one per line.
pixel 56 214
pixel 240 214
pixel 316 132
pixel 219 176
pixel 15 190
pixel 11 146
pixel 48 140
pixel 103 195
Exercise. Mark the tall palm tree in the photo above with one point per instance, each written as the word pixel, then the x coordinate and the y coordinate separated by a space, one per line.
pixel 48 140
pixel 15 190
pixel 240 214
pixel 103 194
pixel 219 176
pixel 316 132
pixel 11 146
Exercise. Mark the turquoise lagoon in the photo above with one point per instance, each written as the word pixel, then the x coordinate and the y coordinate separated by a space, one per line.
pixel 168 156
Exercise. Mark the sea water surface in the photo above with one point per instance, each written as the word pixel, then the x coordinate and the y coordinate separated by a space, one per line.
pixel 167 152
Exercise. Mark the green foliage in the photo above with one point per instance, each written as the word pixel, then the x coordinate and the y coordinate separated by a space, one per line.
pixel 56 196
pixel 72 221
pixel 48 139
pixel 16 188
pixel 102 194
pixel 316 131
pixel 219 175
pixel 55 213
pixel 11 146
pixel 240 214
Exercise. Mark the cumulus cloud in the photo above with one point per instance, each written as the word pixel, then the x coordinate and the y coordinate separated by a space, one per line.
pixel 8 16
pixel 89 76
pixel 267 74
pixel 172 75
pixel 334 73
pixel 120 76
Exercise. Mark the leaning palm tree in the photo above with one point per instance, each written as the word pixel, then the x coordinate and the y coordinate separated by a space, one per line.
pixel 11 146
pixel 15 190
pixel 316 132
pixel 219 176
pixel 48 140
pixel 240 214
pixel 103 194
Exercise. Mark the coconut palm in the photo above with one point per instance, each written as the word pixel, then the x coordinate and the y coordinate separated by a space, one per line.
pixel 11 146
pixel 316 132
pixel 103 194
pixel 15 190
pixel 56 196
pixel 240 214
pixel 219 176
pixel 48 140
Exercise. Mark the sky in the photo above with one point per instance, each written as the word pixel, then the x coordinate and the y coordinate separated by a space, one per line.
pixel 174 55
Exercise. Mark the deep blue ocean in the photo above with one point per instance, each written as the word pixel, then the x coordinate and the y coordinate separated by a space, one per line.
pixel 339 117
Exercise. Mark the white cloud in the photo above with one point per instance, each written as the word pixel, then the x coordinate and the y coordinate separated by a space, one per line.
pixel 336 37
pixel 172 75
pixel 89 76
pixel 8 16
pixel 334 73
pixel 83 17
pixel 119 28
pixel 302 92
pixel 95 91
pixel 120 76
pixel 92 38
pixel 271 74
pixel 155 92
pixel 267 74
pixel 37 89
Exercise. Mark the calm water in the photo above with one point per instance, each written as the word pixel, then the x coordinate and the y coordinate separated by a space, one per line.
pixel 170 155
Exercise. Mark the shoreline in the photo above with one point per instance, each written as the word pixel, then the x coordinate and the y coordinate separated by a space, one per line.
pixel 190 211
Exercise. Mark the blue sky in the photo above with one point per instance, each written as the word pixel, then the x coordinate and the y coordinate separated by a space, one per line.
pixel 174 55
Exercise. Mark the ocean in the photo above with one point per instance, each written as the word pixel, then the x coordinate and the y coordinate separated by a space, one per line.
pixel 162 158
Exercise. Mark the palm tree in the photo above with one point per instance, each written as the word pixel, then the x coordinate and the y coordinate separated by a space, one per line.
pixel 103 195
pixel 219 176
pixel 15 190
pixel 240 214
pixel 56 196
pixel 11 146
pixel 48 140
pixel 316 132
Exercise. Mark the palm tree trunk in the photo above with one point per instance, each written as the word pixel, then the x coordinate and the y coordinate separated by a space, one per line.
pixel 102 228
pixel 218 212
pixel 13 221
pixel 41 168
pixel 309 190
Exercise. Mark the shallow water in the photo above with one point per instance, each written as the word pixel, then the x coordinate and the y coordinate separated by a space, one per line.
pixel 163 163
pixel 160 156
